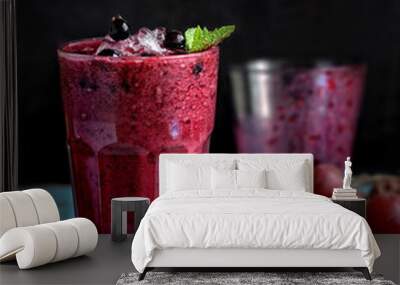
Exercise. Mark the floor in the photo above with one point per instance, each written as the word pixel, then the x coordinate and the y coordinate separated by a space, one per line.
pixel 110 260
pixel 389 262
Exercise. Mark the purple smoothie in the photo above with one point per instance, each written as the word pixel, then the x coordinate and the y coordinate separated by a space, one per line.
pixel 311 110
pixel 122 112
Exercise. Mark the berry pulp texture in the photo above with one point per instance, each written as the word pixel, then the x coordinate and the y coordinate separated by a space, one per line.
pixel 313 110
pixel 121 113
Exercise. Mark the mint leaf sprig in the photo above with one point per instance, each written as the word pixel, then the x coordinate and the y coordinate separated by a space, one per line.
pixel 199 39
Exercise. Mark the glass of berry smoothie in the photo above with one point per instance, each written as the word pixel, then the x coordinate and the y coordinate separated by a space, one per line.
pixel 284 106
pixel 128 98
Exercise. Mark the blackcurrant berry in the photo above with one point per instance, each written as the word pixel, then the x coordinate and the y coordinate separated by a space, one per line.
pixel 197 68
pixel 109 52
pixel 119 29
pixel 174 39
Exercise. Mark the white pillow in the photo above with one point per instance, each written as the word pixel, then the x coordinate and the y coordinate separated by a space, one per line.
pixel 223 179
pixel 282 174
pixel 210 161
pixel 188 177
pixel 251 178
pixel 279 181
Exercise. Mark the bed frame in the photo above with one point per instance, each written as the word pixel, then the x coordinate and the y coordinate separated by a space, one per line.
pixel 242 259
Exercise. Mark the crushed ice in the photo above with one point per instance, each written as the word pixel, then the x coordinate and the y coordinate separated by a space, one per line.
pixel 145 42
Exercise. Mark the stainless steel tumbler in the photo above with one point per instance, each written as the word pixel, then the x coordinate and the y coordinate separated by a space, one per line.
pixel 283 106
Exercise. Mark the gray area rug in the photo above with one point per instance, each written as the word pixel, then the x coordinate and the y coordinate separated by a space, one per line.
pixel 233 278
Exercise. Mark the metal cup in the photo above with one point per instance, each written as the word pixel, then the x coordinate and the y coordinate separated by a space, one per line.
pixel 283 106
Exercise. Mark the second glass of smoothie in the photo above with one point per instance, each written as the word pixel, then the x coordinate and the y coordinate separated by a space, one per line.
pixel 288 107
pixel 122 112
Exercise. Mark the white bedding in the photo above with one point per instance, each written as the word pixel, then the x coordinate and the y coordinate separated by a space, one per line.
pixel 250 218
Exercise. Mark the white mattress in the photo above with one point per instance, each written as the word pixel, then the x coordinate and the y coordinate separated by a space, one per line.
pixel 253 218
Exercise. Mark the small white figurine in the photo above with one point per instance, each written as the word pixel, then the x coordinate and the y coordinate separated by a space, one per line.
pixel 347 174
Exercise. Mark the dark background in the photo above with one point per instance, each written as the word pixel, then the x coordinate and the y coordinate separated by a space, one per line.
pixel 369 30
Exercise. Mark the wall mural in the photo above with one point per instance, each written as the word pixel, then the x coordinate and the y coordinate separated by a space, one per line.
pixel 328 87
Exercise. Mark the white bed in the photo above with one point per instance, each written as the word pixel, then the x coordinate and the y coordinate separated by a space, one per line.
pixel 286 226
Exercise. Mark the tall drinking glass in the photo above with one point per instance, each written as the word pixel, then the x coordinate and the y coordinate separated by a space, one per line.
pixel 122 112
pixel 285 107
